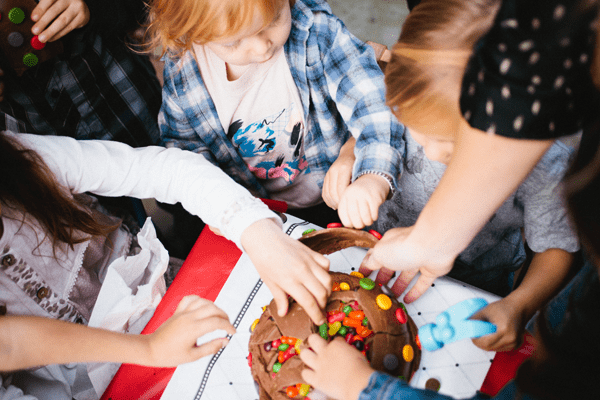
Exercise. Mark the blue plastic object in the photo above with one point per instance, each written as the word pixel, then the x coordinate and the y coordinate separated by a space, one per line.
pixel 453 324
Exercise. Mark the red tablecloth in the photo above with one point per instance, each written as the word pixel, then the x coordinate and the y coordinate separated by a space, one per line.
pixel 204 273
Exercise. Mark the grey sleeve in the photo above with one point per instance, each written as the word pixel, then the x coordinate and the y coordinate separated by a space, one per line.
pixel 545 216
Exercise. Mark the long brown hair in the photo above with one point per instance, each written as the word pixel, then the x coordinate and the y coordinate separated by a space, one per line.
pixel 26 184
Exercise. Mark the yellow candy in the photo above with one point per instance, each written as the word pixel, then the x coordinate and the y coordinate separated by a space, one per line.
pixel 304 388
pixel 297 346
pixel 344 286
pixel 383 302
pixel 253 325
pixel 264 308
pixel 333 328
pixel 357 274
pixel 408 353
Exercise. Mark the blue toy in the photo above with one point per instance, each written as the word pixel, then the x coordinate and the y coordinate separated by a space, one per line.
pixel 453 324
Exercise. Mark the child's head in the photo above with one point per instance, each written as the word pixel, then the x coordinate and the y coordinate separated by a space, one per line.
pixel 423 78
pixel 29 187
pixel 244 31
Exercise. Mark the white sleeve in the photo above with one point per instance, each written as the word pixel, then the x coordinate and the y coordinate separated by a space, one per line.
pixel 171 175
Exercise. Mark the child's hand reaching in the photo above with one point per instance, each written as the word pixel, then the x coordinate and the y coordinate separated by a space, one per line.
pixel 510 319
pixel 339 175
pixel 287 266
pixel 324 373
pixel 55 18
pixel 174 342
pixel 359 205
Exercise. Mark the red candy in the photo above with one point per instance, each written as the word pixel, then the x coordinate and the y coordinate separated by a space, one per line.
pixel 375 233
pixel 401 315
pixel 334 225
pixel 249 358
pixel 276 343
pixel 339 316
pixel 36 44
pixel 349 338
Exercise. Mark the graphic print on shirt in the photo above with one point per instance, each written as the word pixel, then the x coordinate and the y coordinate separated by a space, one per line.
pixel 272 147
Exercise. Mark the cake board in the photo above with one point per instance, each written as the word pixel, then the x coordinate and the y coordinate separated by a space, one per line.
pixel 460 367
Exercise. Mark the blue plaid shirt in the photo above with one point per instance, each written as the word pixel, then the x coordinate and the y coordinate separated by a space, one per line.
pixel 342 92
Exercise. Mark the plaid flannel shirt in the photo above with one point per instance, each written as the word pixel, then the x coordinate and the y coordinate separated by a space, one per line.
pixel 342 92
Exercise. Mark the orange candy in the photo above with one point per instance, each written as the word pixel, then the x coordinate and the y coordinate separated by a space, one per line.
pixel 335 287
pixel 292 391
pixel 354 323
pixel 360 315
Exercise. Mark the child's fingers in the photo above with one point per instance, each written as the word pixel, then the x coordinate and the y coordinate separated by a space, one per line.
pixel 384 275
pixel 364 270
pixel 280 299
pixel 316 287
pixel 423 283
pixel 403 281
pixel 316 343
pixel 208 348
pixel 309 376
pixel 309 303
pixel 41 9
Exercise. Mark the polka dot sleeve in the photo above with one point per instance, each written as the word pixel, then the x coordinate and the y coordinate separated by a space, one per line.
pixel 529 76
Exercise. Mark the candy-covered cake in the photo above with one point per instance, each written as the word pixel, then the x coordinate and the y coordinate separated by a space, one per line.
pixel 358 310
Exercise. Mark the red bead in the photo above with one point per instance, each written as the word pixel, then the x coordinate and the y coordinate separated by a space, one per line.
pixel 36 44
pixel 375 233
pixel 334 225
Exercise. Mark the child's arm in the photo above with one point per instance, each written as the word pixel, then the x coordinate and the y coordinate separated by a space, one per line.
pixel 339 175
pixel 27 342
pixel 484 171
pixel 544 278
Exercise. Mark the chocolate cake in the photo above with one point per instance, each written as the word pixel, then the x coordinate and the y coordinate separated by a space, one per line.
pixel 359 310
pixel 19 46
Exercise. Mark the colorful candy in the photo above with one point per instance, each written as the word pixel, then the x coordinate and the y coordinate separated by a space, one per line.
pixel 375 233
pixel 347 309
pixel 306 232
pixel 338 316
pixel 323 331
pixel 334 328
pixel 366 283
pixel 254 325
pixel 357 274
pixel 383 302
pixel 276 367
pixel 303 389
pixel 344 286
pixel 334 225
pixel 291 391
pixel 401 315
pixel 408 353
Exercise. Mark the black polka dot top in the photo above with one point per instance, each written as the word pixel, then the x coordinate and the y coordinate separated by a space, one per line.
pixel 529 76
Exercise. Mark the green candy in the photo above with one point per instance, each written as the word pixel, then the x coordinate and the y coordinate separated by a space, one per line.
pixel 306 232
pixel 347 310
pixel 366 283
pixel 283 347
pixel 30 60
pixel 343 330
pixel 276 367
pixel 16 15
pixel 365 322
pixel 323 331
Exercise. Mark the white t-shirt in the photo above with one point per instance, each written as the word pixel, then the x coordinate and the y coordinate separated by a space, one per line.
pixel 262 113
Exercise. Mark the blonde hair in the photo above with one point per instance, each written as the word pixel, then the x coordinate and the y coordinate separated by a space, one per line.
pixel 429 60
pixel 174 25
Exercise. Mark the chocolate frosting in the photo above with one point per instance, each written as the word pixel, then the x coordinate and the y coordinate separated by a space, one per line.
pixel 390 336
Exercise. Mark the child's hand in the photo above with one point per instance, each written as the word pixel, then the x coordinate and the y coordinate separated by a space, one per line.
pixel 174 342
pixel 395 252
pixel 359 205
pixel 62 16
pixel 288 266
pixel 510 319
pixel 325 372
pixel 339 175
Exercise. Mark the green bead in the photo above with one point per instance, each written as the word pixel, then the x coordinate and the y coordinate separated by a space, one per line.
pixel 343 330
pixel 347 310
pixel 16 15
pixel 306 232
pixel 367 283
pixel 30 60
pixel 365 322
pixel 276 367
pixel 283 347
pixel 323 331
